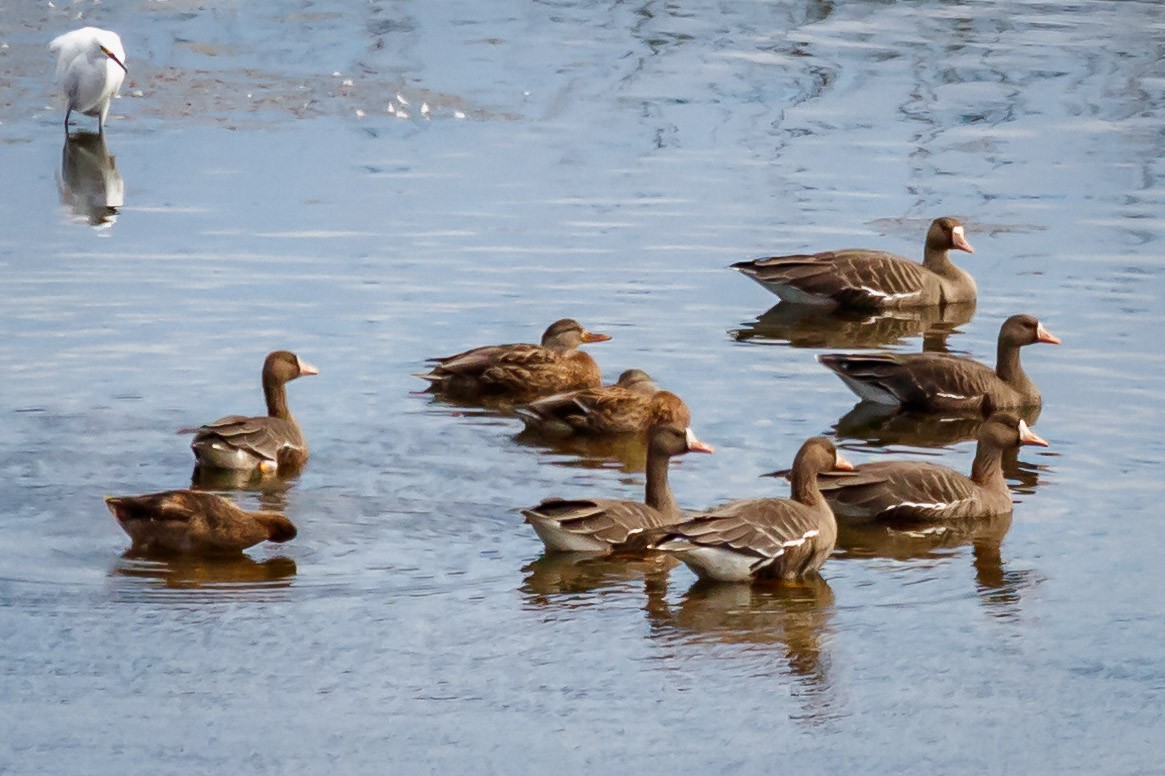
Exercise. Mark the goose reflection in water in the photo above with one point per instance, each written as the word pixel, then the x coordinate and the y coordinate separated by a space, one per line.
pixel 795 618
pixel 998 587
pixel 880 425
pixel 236 574
pixel 556 578
pixel 808 326
pixel 88 182
pixel 271 488
pixel 628 451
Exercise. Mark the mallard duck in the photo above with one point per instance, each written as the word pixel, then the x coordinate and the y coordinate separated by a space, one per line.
pixel 596 525
pixel 194 522
pixel 872 280
pixel 923 492
pixel 520 372
pixel 936 382
pixel 271 443
pixel 627 407
pixel 766 538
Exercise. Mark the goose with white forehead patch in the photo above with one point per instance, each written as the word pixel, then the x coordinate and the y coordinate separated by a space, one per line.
pixel 265 443
pixel 937 382
pixel 914 492
pixel 765 538
pixel 864 279
pixel 600 525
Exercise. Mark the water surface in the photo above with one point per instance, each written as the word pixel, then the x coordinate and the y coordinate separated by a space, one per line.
pixel 604 162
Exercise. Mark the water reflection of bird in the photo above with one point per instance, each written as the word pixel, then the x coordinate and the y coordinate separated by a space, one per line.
pixel 240 573
pixel 89 182
pixel 572 573
pixel 91 68
pixel 871 280
pixel 795 618
pixel 999 587
pixel 809 326
pixel 271 491
pixel 879 425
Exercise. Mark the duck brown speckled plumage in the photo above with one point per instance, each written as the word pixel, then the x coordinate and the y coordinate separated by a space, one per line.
pixel 767 538
pixel 596 525
pixel 267 443
pixel 520 372
pixel 195 522
pixel 936 382
pixel 630 406
pixel 923 492
pixel 871 280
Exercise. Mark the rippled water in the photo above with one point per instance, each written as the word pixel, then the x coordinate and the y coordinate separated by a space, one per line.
pixel 605 162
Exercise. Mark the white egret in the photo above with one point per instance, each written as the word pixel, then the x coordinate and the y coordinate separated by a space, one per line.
pixel 91 67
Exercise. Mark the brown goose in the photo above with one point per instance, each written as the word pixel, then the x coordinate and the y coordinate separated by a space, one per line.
pixel 191 521
pixel 267 443
pixel 936 382
pixel 597 525
pixel 871 280
pixel 520 372
pixel 922 492
pixel 610 410
pixel 766 538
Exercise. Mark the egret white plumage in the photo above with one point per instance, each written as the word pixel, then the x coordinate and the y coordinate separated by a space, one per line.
pixel 90 67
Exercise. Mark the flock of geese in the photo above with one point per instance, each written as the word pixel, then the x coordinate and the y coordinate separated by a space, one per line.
pixel 555 388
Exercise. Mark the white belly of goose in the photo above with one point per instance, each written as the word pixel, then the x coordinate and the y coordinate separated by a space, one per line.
pixel 558 539
pixel 869 391
pixel 713 562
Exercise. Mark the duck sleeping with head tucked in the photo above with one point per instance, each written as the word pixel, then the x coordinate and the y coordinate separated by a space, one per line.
pixel 265 443
pixel 195 522
pixel 630 406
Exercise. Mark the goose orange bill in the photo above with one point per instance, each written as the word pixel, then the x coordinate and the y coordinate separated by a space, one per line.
pixel 840 464
pixel 1029 437
pixel 1043 335
pixel 305 368
pixel 696 446
pixel 959 239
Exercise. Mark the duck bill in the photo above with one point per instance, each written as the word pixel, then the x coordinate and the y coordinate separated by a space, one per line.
pixel 1029 437
pixel 842 465
pixel 113 56
pixel 591 336
pixel 305 368
pixel 959 240
pixel 696 446
pixel 1043 335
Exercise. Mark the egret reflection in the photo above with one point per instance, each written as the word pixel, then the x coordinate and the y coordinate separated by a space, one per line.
pixel 89 182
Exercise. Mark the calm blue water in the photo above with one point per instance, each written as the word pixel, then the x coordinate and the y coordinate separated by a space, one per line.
pixel 604 162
